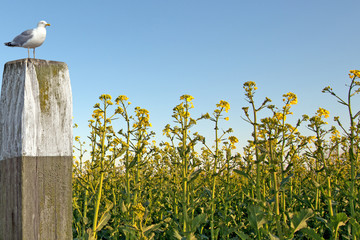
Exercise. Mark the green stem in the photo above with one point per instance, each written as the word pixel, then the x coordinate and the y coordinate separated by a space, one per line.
pixel 185 177
pixel 85 212
pixel 352 155
pixel 213 205
pixel 127 170
pixel 277 207
pixel 276 191
pixel 258 170
pixel 331 212
pixel 98 198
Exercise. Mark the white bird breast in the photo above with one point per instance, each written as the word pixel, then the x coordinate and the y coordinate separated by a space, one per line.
pixel 37 40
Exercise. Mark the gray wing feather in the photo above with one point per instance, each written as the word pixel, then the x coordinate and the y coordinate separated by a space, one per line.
pixel 22 38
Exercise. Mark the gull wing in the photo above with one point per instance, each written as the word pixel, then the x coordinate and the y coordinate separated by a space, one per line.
pixel 22 38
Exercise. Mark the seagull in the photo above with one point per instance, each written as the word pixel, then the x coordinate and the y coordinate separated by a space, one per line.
pixel 31 38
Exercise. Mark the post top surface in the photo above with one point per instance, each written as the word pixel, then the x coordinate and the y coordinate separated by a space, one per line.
pixel 35 61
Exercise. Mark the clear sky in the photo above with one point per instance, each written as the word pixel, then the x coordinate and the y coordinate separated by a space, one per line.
pixel 154 51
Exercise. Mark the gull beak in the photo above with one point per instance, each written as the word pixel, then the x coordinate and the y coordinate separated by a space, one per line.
pixel 48 24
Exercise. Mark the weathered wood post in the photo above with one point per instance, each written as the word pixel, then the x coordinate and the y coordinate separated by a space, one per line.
pixel 35 151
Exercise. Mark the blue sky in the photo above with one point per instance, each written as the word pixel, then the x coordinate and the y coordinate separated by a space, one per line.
pixel 154 51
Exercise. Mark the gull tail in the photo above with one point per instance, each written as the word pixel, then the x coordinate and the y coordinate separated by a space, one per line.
pixel 9 44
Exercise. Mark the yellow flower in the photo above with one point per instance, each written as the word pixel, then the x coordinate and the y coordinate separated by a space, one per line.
pixel 233 139
pixel 185 114
pixel 279 116
pixel 290 97
pixel 187 98
pixel 354 73
pixel 321 112
pixel 98 112
pixel 249 87
pixel 166 129
pixel 335 135
pixel 121 98
pixel 119 110
pixel 105 97
pixel 224 104
pixel 226 119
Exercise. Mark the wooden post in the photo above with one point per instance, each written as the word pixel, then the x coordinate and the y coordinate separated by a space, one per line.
pixel 35 151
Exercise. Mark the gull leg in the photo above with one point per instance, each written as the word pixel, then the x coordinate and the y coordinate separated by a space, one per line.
pixel 28 52
pixel 34 53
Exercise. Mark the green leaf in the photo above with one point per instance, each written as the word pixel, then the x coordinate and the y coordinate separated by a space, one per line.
pixel 121 152
pixel 192 236
pixel 105 216
pixel 285 181
pixel 262 157
pixel 90 234
pixel 337 221
pixel 256 217
pixel 123 207
pixel 109 205
pixel 355 227
pixel 243 236
pixel 298 222
pixel 217 230
pixel 199 219
pixel 103 221
pixel 129 231
pixel 133 162
pixel 151 228
pixel 316 184
pixel 151 236
pixel 194 175
pixel 311 234
pixel 177 235
pixel 242 173
pixel 357 114
pixel 342 102
pixel 288 167
pixel 273 237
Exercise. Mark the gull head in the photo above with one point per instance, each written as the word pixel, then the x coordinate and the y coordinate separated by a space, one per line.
pixel 43 24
